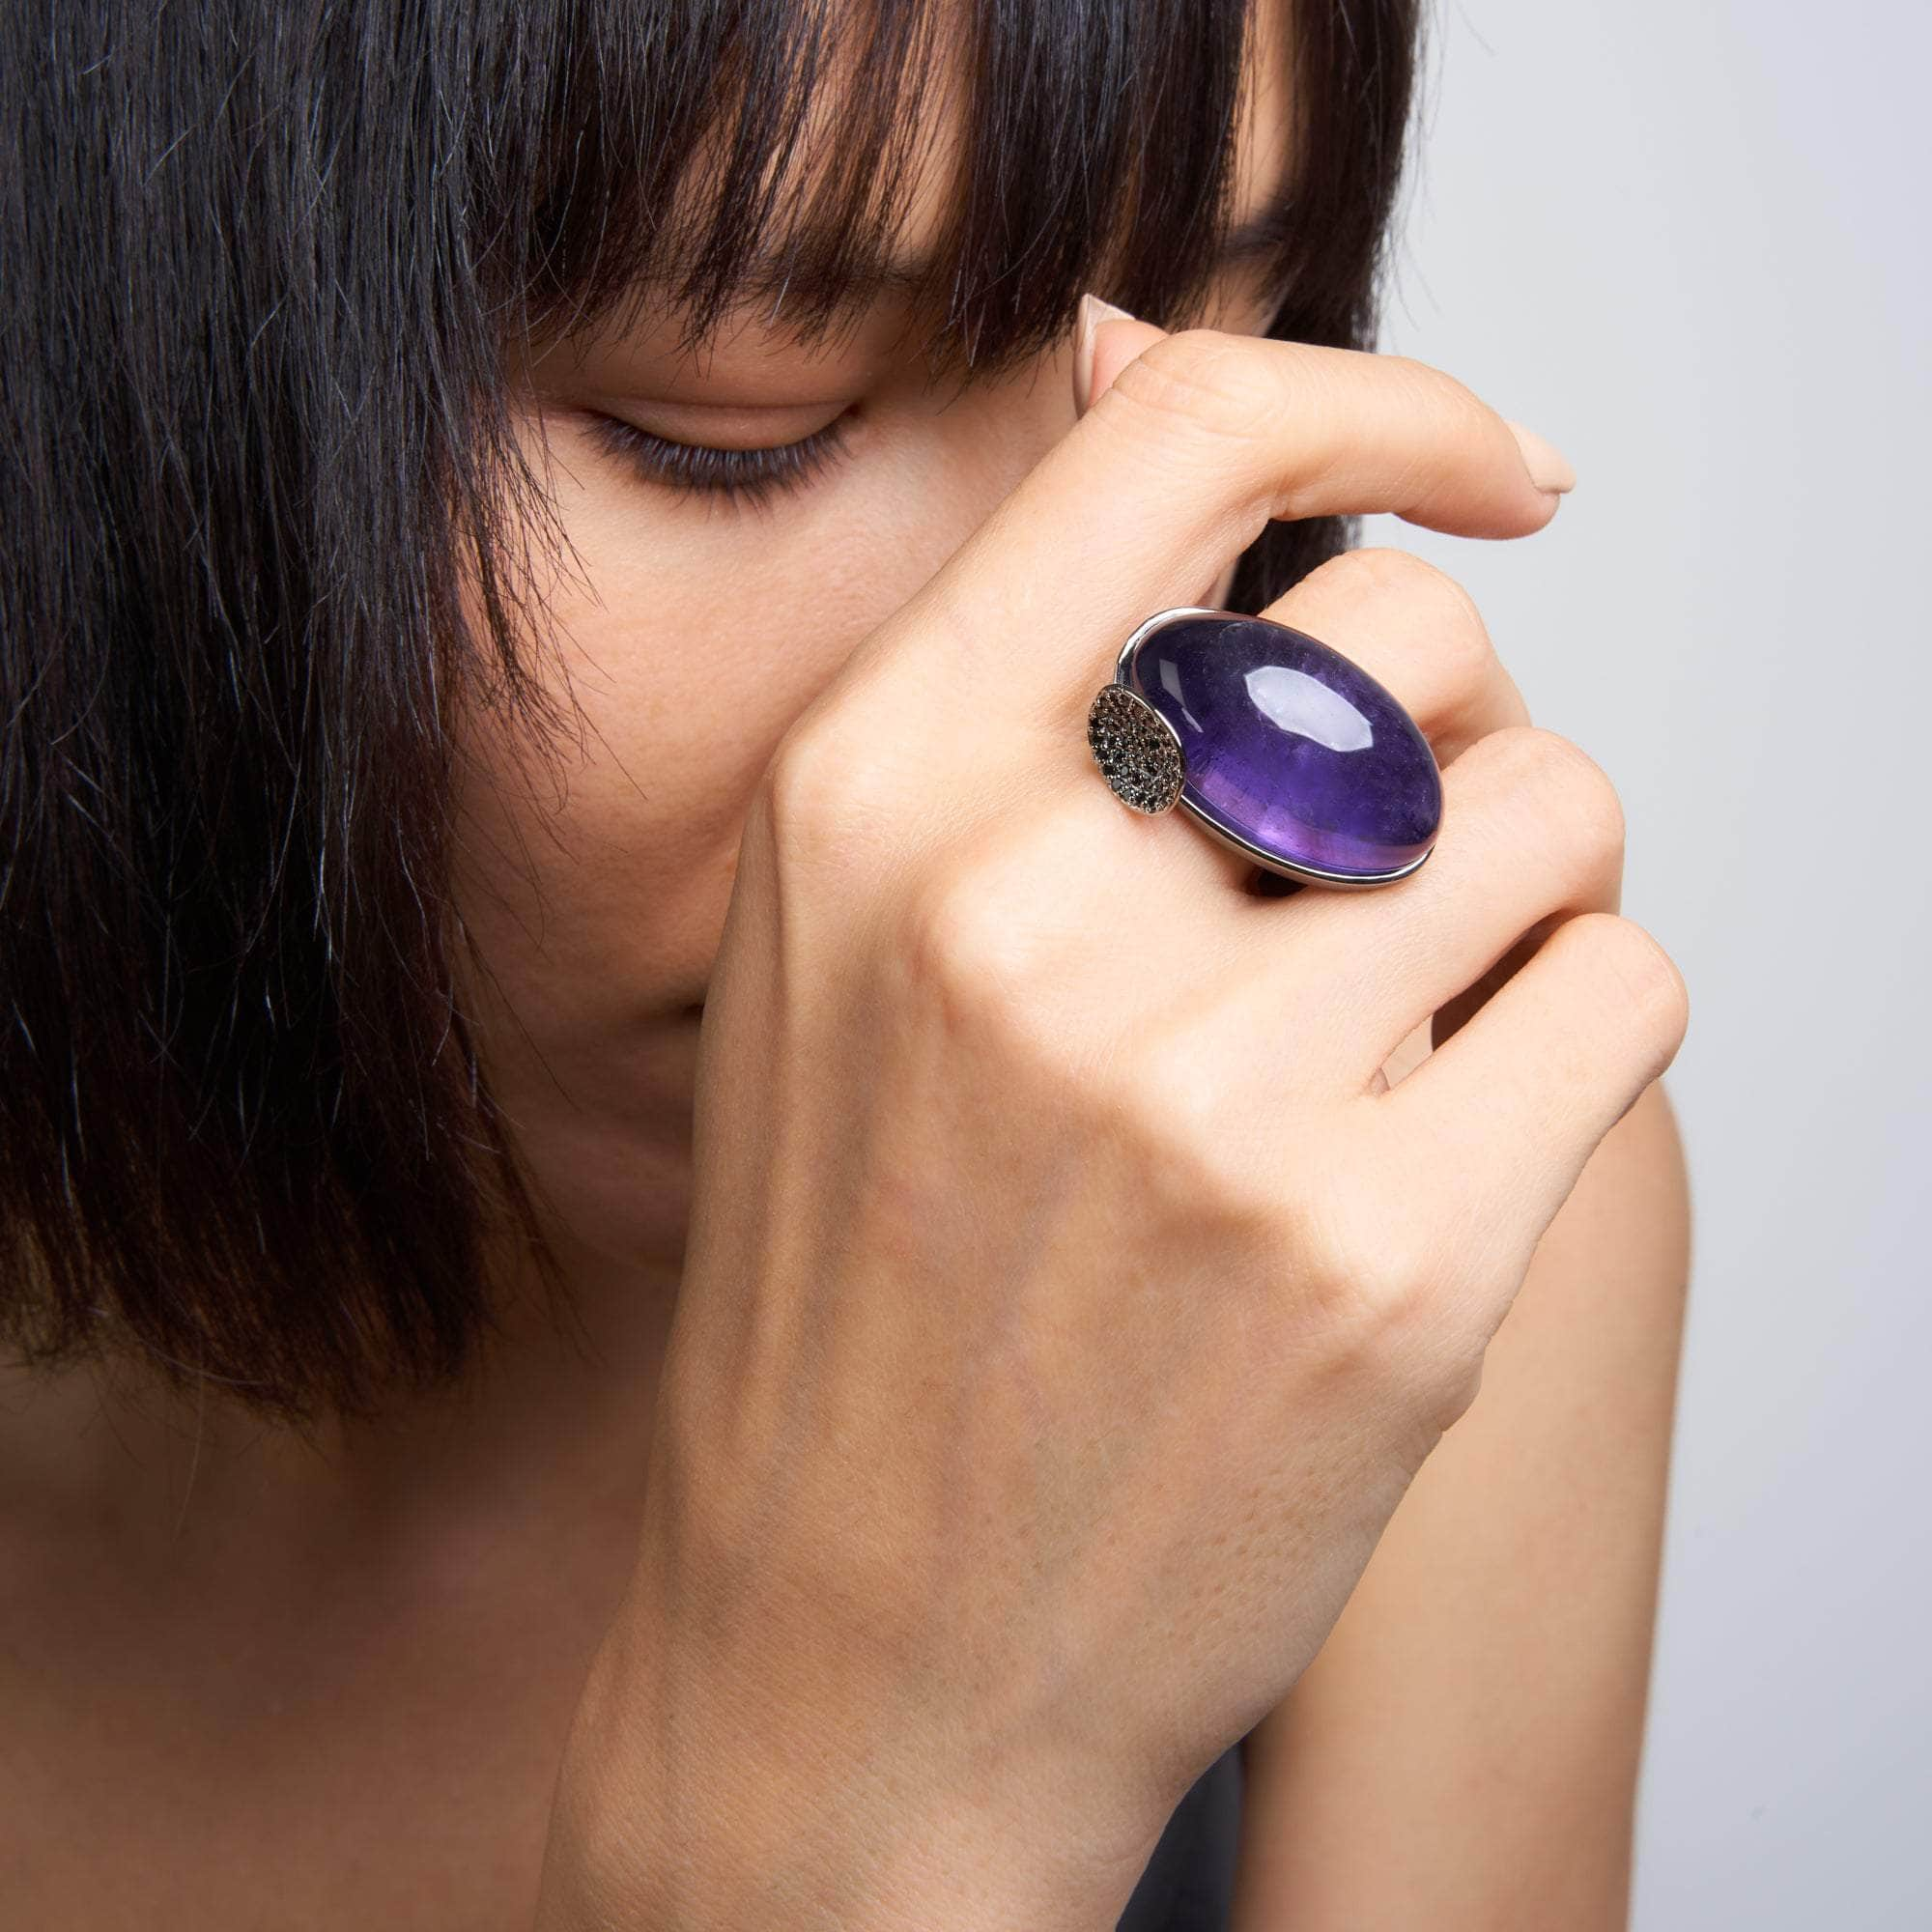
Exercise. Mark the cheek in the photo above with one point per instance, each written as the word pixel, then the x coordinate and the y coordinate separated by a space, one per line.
pixel 696 636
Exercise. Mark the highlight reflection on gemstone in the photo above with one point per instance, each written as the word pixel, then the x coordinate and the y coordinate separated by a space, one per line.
pixel 1289 745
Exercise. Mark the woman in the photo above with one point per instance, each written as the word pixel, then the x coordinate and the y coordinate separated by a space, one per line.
pixel 496 493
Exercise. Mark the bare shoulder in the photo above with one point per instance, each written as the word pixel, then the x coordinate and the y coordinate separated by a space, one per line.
pixel 1463 1750
pixel 1628 1218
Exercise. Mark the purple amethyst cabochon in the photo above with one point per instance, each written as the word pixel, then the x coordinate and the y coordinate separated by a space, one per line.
pixel 1288 745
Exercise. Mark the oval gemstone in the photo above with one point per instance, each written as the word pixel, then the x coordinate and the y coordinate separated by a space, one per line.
pixel 1291 746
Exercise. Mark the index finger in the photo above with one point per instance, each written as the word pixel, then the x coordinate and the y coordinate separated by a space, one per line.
pixel 1198 441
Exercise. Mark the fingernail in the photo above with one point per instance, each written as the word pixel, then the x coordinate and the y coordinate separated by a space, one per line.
pixel 1093 312
pixel 1548 467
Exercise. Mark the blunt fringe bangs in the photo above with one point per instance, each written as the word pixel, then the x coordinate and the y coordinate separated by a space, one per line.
pixel 264 269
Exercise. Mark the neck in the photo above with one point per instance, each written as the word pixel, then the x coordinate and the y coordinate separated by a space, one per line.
pixel 554 1415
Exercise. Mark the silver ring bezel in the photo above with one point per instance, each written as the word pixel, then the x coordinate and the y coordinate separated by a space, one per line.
pixel 1268 861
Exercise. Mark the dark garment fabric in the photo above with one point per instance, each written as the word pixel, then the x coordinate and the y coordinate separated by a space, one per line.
pixel 1189 1883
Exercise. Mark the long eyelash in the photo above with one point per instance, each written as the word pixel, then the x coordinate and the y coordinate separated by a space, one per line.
pixel 730 475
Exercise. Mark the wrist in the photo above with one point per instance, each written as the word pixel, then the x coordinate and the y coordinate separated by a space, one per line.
pixel 903 1872
pixel 767 1826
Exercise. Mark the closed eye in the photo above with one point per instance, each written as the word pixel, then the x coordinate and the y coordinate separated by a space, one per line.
pixel 732 475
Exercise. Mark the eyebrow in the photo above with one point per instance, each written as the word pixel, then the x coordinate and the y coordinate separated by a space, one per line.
pixel 868 279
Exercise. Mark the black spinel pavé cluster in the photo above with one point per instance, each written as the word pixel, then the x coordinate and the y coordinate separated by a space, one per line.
pixel 1136 749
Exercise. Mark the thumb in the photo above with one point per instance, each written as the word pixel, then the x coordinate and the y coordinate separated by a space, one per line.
pixel 1109 339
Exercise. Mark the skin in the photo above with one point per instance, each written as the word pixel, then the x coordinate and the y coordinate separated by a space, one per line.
pixel 978 1516
pixel 425 1594
pixel 1464 1752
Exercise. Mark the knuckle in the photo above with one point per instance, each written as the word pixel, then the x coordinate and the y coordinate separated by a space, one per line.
pixel 1370 1254
pixel 1358 1280
pixel 1450 412
pixel 830 809
pixel 1434 392
pixel 1391 1252
pixel 1641 973
pixel 1459 635
pixel 1335 1274
pixel 1170 1089
pixel 970 946
pixel 1569 792
pixel 804 791
pixel 1202 378
pixel 1461 651
pixel 951 936
pixel 1167 1100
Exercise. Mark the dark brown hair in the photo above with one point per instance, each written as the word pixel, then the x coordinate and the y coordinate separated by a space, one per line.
pixel 260 267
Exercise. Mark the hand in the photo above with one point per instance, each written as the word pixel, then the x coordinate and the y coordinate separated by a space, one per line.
pixel 1069 1301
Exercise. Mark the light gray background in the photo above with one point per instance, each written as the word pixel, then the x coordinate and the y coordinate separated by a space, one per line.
pixel 1687 241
